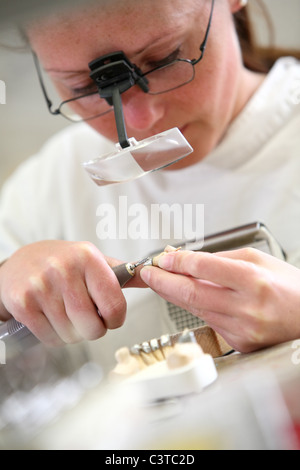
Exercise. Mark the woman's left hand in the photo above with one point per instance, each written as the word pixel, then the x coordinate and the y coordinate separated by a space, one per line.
pixel 250 298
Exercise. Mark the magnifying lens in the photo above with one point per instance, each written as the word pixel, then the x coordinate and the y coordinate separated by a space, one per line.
pixel 114 74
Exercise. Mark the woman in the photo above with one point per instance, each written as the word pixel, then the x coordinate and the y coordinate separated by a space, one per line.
pixel 245 167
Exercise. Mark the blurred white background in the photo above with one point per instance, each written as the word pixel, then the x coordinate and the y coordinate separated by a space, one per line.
pixel 25 123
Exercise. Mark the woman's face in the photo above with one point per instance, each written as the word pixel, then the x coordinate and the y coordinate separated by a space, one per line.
pixel 149 31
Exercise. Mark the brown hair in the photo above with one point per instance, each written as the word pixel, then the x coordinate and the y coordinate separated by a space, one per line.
pixel 259 58
pixel 251 56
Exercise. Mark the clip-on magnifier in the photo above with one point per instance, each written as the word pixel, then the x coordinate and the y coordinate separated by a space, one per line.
pixel 114 74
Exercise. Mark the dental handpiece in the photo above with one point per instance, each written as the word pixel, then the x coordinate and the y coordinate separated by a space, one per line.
pixel 15 333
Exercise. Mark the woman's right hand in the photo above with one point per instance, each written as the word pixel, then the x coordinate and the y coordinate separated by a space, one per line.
pixel 63 292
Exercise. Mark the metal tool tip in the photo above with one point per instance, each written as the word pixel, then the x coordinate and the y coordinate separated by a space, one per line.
pixel 139 263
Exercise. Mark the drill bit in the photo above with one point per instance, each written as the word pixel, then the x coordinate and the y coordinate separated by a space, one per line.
pixel 126 271
pixel 144 262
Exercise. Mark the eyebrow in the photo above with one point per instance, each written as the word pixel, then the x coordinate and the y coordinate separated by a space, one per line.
pixel 164 38
pixel 67 72
pixel 137 53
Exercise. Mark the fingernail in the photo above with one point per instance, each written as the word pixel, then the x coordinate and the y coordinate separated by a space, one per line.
pixel 165 262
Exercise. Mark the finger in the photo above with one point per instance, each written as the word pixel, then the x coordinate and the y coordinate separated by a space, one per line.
pixel 64 298
pixel 55 312
pixel 189 293
pixel 82 313
pixel 4 313
pixel 27 309
pixel 112 262
pixel 214 305
pixel 41 328
pixel 248 254
pixel 105 292
pixel 47 295
pixel 220 270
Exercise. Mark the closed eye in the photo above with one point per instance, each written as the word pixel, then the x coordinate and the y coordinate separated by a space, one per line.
pixel 85 90
pixel 166 61
pixel 92 89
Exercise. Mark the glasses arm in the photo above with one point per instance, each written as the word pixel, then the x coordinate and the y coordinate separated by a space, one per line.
pixel 204 43
pixel 54 112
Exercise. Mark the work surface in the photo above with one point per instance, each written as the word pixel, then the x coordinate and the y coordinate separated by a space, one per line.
pixel 271 378
pixel 283 360
pixel 254 404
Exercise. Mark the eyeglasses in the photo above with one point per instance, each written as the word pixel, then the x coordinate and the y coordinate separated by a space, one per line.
pixel 161 79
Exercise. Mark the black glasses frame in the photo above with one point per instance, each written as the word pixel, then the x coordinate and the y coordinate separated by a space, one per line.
pixel 192 62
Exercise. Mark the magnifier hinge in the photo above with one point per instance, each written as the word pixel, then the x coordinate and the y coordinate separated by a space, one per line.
pixel 114 74
pixel 116 69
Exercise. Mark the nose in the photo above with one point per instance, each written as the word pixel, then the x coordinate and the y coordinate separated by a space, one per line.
pixel 141 111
